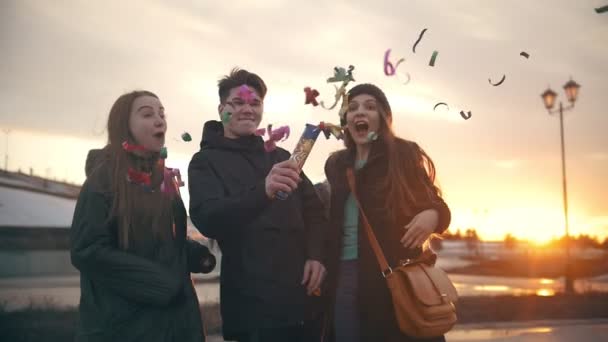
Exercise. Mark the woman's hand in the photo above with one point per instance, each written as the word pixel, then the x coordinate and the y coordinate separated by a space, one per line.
pixel 420 228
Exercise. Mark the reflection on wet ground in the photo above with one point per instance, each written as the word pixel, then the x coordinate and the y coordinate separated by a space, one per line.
pixel 18 292
pixel 554 331
pixel 471 285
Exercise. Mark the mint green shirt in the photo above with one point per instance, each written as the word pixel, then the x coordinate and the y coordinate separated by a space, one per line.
pixel 350 241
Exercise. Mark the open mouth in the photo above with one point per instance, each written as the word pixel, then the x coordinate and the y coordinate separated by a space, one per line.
pixel 159 135
pixel 361 127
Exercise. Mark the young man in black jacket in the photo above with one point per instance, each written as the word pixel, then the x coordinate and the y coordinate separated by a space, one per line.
pixel 272 250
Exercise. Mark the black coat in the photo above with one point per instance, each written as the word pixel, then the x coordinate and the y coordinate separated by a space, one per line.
pixel 133 295
pixel 264 242
pixel 374 302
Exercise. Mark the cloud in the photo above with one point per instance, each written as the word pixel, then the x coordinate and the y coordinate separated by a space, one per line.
pixel 65 62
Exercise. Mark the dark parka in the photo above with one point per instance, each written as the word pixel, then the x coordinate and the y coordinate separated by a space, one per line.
pixel 142 294
pixel 264 242
pixel 374 302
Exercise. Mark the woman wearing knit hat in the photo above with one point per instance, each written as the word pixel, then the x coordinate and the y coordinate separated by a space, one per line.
pixel 395 185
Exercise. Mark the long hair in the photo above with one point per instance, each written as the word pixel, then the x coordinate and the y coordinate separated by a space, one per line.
pixel 139 213
pixel 410 181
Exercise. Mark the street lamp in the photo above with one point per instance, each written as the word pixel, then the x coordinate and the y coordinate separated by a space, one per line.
pixel 549 97
pixel 6 131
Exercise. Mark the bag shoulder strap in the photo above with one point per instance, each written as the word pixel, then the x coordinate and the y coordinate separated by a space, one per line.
pixel 384 267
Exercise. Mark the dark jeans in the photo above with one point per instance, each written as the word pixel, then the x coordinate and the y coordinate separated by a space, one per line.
pixel 306 332
pixel 346 317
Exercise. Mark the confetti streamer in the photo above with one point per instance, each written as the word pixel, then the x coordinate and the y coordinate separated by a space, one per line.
pixel 260 132
pixel 311 96
pixel 172 181
pixel 340 92
pixel 389 69
pixel 433 58
pixel 499 82
pixel 407 74
pixel 130 148
pixel 399 62
pixel 279 134
pixel 601 9
pixel 163 153
pixel 524 54
pixel 466 116
pixel 418 41
pixel 137 177
pixel 440 104
pixel 177 174
pixel 186 137
pixel 330 129
pixel 226 117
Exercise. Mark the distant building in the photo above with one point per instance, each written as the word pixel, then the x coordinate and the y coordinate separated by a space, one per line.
pixel 35 213
pixel 35 220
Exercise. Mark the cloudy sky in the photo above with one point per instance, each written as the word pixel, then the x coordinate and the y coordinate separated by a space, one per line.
pixel 63 63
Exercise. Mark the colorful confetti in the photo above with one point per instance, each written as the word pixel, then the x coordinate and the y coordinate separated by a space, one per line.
pixel 418 41
pixel 279 134
pixel 330 129
pixel 186 137
pixel 399 62
pixel 163 153
pixel 137 177
pixel 340 92
pixel 441 104
pixel 342 75
pixel 130 148
pixel 172 181
pixel 466 116
pixel 499 82
pixel 407 74
pixel 389 69
pixel 601 9
pixel 260 132
pixel 311 96
pixel 524 54
pixel 433 58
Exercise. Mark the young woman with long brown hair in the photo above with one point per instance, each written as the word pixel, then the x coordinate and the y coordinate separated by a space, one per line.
pixel 395 185
pixel 128 236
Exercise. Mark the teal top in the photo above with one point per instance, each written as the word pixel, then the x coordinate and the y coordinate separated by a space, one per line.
pixel 350 241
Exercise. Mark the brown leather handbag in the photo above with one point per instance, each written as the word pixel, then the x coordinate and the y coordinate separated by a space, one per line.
pixel 423 296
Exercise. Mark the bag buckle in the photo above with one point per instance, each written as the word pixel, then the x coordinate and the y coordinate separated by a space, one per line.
pixel 387 271
pixel 405 262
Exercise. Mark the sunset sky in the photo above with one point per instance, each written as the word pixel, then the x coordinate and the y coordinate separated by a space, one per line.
pixel 63 63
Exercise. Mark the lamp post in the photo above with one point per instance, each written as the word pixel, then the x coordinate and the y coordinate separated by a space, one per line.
pixel 549 96
pixel 6 132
